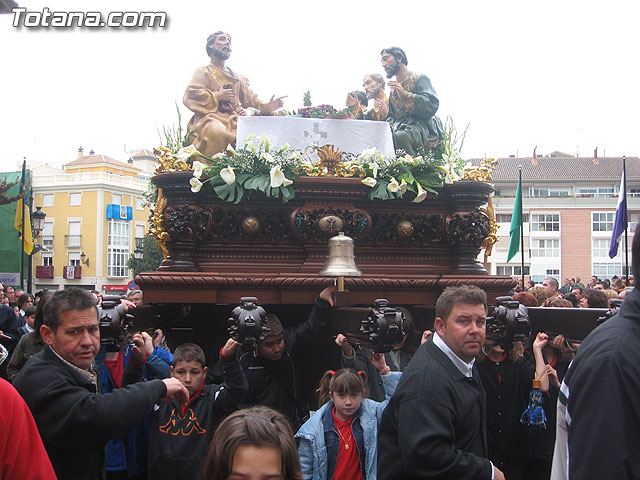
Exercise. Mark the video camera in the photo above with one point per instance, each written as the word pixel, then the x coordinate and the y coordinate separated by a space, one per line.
pixel 507 323
pixel 247 324
pixel 383 326
pixel 115 323
pixel 615 307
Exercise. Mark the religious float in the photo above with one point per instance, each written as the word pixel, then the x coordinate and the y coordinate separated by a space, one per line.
pixel 263 230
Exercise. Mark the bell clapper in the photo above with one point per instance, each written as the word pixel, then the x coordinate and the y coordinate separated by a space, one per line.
pixel 341 284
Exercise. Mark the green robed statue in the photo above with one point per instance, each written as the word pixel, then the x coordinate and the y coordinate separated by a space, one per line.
pixel 412 105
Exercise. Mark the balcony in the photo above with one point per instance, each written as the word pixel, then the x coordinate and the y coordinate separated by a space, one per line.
pixel 72 272
pixel 72 240
pixel 44 271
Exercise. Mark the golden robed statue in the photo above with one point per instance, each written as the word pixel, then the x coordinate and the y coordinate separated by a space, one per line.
pixel 217 95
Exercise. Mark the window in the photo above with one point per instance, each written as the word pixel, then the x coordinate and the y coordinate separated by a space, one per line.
pixel 600 247
pixel 596 192
pixel 634 192
pixel 74 237
pixel 47 235
pixel 139 203
pixel 545 248
pixel 139 236
pixel 511 270
pixel 551 272
pixel 116 198
pixel 74 259
pixel 47 199
pixel 75 199
pixel 545 222
pixel 602 221
pixel 118 248
pixel 506 218
pixel 606 269
pixel 550 192
pixel 47 260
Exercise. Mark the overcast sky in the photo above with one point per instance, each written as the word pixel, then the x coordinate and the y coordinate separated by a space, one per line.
pixel 559 75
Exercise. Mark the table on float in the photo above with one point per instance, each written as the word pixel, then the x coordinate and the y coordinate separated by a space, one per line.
pixel 347 135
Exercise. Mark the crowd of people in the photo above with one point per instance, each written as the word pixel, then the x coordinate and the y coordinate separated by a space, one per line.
pixel 597 293
pixel 440 404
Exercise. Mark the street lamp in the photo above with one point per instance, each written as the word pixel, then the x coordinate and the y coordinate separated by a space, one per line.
pixel 138 253
pixel 37 221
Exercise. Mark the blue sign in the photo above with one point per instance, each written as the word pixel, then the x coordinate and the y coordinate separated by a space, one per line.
pixel 119 212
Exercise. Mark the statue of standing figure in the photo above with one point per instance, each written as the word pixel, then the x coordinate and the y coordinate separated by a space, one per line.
pixel 217 96
pixel 412 105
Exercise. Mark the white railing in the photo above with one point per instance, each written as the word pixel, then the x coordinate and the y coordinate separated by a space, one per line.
pixel 88 178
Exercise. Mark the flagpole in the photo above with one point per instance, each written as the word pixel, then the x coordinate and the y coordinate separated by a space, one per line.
pixel 22 185
pixel 626 237
pixel 521 227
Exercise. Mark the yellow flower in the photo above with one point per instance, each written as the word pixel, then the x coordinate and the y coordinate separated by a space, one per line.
pixel 369 182
pixel 422 194
pixel 196 184
pixel 393 185
pixel 228 175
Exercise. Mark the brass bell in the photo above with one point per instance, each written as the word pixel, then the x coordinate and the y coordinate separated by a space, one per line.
pixel 341 260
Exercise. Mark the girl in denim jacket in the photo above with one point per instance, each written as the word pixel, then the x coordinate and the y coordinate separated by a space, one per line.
pixel 341 439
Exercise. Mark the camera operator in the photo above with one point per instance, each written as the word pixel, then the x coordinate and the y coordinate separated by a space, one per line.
pixel 64 393
pixel 273 369
pixel 507 379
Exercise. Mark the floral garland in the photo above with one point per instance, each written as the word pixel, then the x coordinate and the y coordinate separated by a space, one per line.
pixel 235 174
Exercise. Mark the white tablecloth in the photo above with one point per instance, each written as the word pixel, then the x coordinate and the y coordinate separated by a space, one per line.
pixel 347 135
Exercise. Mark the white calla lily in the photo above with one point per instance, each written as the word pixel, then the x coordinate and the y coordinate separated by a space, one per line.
pixel 267 157
pixel 228 175
pixel 369 182
pixel 422 194
pixel 367 154
pixel 278 178
pixel 231 150
pixel 197 169
pixel 187 152
pixel 196 184
pixel 393 185
pixel 402 187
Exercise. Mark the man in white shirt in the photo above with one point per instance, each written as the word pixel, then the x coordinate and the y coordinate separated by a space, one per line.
pixel 435 425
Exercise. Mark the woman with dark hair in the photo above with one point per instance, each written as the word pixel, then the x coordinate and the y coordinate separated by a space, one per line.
pixel 256 442
pixel 592 298
pixel 29 344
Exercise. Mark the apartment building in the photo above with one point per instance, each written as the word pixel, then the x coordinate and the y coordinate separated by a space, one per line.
pixel 95 219
pixel 569 208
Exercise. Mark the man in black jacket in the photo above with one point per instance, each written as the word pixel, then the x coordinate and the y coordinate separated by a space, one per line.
pixel 598 419
pixel 434 425
pixel 273 370
pixel 62 390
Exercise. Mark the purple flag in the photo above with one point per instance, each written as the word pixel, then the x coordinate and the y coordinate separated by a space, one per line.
pixel 621 218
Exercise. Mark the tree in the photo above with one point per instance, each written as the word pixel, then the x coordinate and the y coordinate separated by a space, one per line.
pixel 151 257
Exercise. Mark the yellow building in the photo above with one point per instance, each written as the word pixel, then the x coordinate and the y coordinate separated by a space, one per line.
pixel 95 218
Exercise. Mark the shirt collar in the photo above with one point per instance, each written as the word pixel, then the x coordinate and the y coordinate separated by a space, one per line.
pixel 90 375
pixel 465 368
